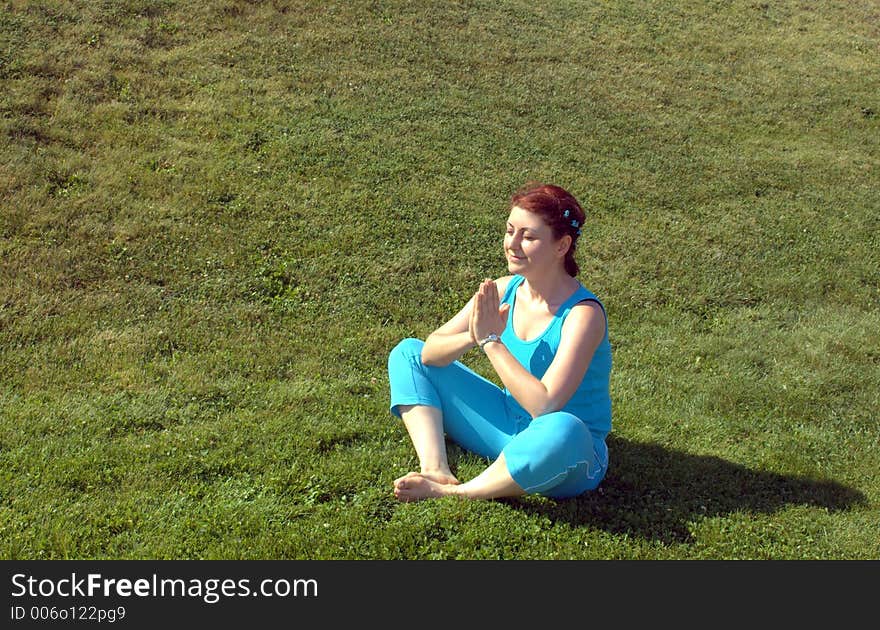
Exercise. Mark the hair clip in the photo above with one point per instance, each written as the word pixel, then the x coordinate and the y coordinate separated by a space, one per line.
pixel 579 232
pixel 574 223
pixel 565 214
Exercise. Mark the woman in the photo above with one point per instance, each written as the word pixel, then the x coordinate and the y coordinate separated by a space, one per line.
pixel 546 336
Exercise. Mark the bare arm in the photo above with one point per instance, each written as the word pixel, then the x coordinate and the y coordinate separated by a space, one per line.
pixel 454 338
pixel 450 341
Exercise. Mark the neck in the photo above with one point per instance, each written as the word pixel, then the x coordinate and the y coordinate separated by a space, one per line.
pixel 550 287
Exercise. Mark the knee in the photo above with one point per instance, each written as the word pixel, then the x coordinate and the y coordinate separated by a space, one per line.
pixel 406 350
pixel 564 425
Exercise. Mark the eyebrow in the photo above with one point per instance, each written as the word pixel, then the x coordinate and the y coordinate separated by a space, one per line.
pixel 527 228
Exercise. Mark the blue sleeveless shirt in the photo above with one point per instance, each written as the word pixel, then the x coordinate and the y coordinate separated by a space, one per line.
pixel 591 402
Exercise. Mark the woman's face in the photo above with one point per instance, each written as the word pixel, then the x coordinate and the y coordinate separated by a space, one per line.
pixel 529 244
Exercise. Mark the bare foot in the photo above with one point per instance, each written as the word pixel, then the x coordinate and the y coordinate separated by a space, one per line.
pixel 441 477
pixel 416 486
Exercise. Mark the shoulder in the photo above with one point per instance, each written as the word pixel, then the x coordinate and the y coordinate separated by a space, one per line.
pixel 502 283
pixel 586 309
pixel 587 316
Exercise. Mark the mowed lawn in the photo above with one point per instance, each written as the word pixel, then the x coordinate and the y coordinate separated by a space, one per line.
pixel 217 219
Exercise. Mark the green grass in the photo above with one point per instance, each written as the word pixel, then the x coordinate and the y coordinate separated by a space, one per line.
pixel 216 220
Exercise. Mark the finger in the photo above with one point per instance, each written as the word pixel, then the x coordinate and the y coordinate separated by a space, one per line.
pixel 505 308
pixel 472 322
pixel 480 313
pixel 493 292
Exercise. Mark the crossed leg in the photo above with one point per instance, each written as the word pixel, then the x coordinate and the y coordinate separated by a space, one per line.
pixel 425 427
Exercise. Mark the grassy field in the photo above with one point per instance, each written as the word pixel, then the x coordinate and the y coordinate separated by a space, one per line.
pixel 217 218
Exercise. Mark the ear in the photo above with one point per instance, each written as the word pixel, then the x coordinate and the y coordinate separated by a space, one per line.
pixel 564 245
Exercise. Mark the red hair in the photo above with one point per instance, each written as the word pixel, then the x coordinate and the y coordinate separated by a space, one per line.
pixel 559 210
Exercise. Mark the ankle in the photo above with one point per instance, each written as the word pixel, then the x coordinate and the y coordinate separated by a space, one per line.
pixel 435 470
pixel 455 490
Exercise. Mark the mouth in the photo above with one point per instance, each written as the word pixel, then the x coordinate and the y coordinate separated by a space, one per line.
pixel 514 257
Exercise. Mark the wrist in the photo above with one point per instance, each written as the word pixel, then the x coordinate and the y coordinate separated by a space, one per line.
pixel 488 339
pixel 472 340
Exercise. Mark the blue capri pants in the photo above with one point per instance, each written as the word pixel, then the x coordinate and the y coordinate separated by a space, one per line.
pixel 553 455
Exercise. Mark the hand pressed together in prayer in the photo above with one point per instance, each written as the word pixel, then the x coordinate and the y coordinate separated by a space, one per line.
pixel 486 316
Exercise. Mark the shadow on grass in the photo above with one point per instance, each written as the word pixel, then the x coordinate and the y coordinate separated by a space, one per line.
pixel 653 492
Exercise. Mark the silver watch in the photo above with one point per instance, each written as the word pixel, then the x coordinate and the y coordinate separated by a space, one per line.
pixel 491 337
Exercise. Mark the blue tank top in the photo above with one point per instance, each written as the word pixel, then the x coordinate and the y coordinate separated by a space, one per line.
pixel 591 402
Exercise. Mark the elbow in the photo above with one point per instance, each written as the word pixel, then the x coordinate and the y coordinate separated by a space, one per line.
pixel 546 405
pixel 432 355
pixel 426 358
pixel 542 410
